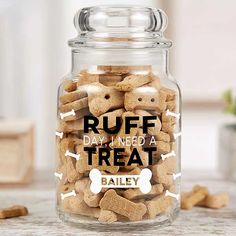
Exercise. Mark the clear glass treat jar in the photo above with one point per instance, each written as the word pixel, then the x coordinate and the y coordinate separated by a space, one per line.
pixel 118 123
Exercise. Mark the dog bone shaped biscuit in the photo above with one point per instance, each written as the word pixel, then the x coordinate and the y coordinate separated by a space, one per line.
pixel 133 81
pixel 13 211
pixel 145 98
pixel 120 205
pixel 163 171
pixel 100 181
pixel 102 99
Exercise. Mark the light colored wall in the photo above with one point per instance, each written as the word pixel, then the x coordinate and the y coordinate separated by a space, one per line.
pixel 204 51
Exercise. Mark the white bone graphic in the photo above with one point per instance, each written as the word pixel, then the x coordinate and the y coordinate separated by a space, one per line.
pixel 70 194
pixel 176 196
pixel 169 113
pixel 58 175
pixel 70 113
pixel 170 154
pixel 70 154
pixel 143 182
pixel 177 135
pixel 59 134
pixel 175 176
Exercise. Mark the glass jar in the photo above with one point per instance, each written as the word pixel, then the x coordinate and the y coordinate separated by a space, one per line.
pixel 118 123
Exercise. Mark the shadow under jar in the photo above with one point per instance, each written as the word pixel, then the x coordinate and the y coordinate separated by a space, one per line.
pixel 118 123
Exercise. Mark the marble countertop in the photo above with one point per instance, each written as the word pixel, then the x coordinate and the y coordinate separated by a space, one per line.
pixel 42 220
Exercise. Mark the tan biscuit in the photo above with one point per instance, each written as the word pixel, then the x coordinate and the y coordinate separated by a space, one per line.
pixel 77 205
pixel 140 70
pixel 64 188
pixel 148 100
pixel 120 70
pixel 102 99
pixel 214 201
pixel 107 216
pixel 173 146
pixel 170 94
pixel 171 105
pixel 163 171
pixel 66 144
pixel 87 78
pixel 76 105
pixel 157 122
pixel 72 96
pixel 69 163
pixel 82 164
pixel 197 194
pixel 92 199
pixel 82 184
pixel 72 174
pixel 110 80
pixel 114 69
pixel 70 85
pixel 134 171
pixel 133 81
pixel 158 205
pixel 162 148
pixel 168 127
pixel 162 136
pixel 71 126
pixel 168 119
pixel 111 118
pixel 113 202
pixel 14 211
pixel 134 194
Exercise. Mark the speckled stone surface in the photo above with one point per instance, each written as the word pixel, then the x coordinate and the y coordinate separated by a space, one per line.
pixel 39 198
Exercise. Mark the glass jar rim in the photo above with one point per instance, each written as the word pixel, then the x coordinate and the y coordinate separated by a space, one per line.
pixel 120 26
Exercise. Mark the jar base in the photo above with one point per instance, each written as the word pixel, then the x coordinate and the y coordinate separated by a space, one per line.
pixel 94 225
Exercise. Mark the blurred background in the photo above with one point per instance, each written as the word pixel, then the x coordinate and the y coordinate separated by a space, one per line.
pixel 34 56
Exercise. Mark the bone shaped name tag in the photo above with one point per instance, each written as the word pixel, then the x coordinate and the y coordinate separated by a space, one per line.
pixel 176 196
pixel 59 134
pixel 70 194
pixel 141 181
pixel 70 113
pixel 70 154
pixel 58 175
pixel 170 154
pixel 169 113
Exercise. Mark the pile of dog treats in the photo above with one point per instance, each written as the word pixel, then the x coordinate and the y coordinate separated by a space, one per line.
pixel 111 92
pixel 200 196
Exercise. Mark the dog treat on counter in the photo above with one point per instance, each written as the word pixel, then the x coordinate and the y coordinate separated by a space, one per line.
pixel 215 201
pixel 117 121
pixel 14 211
pixel 200 196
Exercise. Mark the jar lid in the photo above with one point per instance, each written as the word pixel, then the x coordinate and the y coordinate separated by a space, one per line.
pixel 120 27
